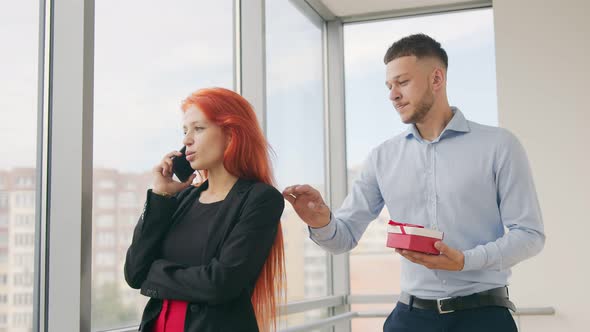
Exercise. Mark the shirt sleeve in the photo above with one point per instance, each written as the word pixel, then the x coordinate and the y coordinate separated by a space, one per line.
pixel 519 209
pixel 362 205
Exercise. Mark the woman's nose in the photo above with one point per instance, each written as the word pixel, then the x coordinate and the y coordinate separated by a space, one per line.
pixel 187 140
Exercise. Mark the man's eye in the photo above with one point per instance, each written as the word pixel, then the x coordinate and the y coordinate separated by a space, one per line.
pixel 404 82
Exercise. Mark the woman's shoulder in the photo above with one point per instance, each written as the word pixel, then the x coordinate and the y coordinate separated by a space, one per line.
pixel 265 191
pixel 264 197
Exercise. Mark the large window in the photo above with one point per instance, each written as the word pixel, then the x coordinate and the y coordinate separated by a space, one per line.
pixel 19 37
pixel 468 38
pixel 295 129
pixel 149 56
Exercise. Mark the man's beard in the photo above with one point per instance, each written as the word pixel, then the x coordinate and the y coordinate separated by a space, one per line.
pixel 422 108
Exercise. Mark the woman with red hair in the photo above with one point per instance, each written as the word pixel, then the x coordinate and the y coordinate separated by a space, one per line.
pixel 210 256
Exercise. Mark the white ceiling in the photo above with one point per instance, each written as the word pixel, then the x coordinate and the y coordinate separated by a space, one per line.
pixel 359 10
pixel 355 7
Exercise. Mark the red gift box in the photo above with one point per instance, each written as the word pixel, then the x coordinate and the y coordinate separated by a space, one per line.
pixel 413 237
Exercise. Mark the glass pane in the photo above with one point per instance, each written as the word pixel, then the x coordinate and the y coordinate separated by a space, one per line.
pixel 468 38
pixel 19 37
pixel 149 56
pixel 295 129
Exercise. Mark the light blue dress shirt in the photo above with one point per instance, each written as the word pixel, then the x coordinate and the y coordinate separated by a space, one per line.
pixel 472 182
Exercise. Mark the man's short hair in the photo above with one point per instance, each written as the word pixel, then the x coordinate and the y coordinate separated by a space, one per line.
pixel 418 45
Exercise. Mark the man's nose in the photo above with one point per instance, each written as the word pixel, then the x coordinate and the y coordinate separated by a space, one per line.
pixel 394 95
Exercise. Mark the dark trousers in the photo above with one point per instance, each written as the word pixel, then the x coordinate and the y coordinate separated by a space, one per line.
pixel 484 319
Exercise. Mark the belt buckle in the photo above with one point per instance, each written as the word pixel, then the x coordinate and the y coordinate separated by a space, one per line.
pixel 439 305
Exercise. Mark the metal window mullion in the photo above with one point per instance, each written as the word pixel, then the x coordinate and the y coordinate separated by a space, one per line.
pixel 310 12
pixel 336 155
pixel 42 168
pixel 68 219
pixel 237 47
pixel 250 55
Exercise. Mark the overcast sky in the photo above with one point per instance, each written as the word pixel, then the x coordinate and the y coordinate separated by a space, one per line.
pixel 149 55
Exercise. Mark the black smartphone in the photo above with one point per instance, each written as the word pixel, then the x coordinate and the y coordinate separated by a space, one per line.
pixel 181 167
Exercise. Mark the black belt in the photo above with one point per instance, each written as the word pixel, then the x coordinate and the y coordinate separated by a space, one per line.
pixel 497 297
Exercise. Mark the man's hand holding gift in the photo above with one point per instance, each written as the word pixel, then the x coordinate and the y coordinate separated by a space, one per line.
pixel 450 259
pixel 424 246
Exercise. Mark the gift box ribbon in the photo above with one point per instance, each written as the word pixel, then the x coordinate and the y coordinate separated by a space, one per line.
pixel 402 225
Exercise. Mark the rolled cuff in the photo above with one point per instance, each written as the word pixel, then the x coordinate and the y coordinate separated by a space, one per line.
pixel 323 233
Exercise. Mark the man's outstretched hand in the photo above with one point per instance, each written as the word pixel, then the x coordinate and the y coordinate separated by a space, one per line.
pixel 309 205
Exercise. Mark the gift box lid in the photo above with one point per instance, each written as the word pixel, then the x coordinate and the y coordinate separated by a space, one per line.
pixel 410 229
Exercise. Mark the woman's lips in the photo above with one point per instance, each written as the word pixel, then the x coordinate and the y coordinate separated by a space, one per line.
pixel 190 156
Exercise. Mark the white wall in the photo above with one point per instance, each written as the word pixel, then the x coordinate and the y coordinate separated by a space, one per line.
pixel 543 74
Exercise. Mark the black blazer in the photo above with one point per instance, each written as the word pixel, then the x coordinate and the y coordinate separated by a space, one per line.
pixel 218 293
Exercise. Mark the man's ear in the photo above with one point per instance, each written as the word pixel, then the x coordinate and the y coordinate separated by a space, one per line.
pixel 438 78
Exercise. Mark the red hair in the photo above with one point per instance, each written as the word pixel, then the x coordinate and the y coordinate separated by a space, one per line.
pixel 247 156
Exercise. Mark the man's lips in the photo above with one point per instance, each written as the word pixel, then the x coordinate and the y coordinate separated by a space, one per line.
pixel 400 107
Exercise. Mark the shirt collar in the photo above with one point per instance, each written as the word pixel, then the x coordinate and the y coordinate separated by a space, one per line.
pixel 457 124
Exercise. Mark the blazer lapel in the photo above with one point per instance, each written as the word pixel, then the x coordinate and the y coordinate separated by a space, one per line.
pixel 227 213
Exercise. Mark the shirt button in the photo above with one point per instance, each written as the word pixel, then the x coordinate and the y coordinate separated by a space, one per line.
pixel 444 282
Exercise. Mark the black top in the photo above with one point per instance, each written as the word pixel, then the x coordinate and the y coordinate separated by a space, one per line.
pixel 236 246
pixel 185 242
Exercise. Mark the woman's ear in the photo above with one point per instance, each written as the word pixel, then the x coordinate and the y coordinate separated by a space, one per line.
pixel 228 139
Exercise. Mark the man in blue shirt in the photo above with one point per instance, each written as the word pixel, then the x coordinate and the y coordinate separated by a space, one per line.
pixel 470 181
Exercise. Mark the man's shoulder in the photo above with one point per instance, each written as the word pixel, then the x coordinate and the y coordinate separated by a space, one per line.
pixel 494 133
pixel 391 143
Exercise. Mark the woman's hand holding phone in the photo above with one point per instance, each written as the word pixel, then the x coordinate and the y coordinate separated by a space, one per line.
pixel 163 183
